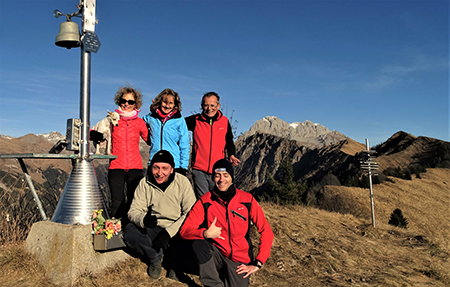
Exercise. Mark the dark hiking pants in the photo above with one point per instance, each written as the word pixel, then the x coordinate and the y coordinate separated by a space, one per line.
pixel 215 269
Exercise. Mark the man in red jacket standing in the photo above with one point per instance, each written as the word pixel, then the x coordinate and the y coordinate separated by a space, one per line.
pixel 212 140
pixel 219 224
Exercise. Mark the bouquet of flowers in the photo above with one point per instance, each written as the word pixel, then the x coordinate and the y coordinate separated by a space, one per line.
pixel 105 226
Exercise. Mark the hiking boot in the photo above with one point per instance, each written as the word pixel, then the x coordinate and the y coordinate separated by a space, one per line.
pixel 172 275
pixel 154 269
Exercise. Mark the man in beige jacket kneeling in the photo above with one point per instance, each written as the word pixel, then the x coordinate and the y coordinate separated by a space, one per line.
pixel 155 214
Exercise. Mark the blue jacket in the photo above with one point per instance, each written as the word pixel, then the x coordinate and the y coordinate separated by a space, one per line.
pixel 172 136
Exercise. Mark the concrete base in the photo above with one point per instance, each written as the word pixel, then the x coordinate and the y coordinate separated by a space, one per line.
pixel 66 251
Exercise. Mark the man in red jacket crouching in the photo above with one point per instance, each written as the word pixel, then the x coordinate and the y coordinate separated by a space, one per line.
pixel 219 224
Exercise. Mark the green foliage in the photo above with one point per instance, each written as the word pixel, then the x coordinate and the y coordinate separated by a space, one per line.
pixel 395 172
pixel 365 183
pixel 377 146
pixel 285 191
pixel 397 219
pixel 406 172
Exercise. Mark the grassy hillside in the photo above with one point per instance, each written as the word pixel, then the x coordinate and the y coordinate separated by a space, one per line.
pixel 314 247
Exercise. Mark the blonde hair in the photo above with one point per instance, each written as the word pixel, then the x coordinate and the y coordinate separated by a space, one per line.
pixel 159 98
pixel 128 90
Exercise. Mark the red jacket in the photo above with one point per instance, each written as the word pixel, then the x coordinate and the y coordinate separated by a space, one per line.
pixel 125 144
pixel 210 140
pixel 234 219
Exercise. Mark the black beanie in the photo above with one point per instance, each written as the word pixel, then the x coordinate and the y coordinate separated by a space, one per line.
pixel 163 156
pixel 223 165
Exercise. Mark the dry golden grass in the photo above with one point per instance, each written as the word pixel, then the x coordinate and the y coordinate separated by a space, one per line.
pixel 18 268
pixel 425 203
pixel 318 248
pixel 352 147
pixel 314 247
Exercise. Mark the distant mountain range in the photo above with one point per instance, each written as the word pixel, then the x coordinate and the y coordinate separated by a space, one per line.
pixel 306 133
pixel 319 156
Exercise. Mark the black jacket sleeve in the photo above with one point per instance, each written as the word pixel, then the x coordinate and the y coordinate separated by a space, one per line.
pixel 229 145
pixel 190 122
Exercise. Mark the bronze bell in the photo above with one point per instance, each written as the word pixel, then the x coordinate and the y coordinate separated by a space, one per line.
pixel 68 36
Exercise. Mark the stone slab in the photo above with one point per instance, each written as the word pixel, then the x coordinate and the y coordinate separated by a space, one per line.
pixel 66 251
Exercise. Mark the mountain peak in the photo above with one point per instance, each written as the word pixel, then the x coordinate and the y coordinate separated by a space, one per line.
pixel 312 134
pixel 53 136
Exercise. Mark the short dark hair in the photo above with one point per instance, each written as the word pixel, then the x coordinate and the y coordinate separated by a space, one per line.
pixel 210 94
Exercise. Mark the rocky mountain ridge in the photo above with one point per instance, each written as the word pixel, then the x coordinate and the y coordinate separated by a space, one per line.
pixel 51 137
pixel 318 155
pixel 307 133
pixel 335 164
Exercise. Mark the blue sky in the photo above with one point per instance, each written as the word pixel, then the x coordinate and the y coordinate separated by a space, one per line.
pixel 364 68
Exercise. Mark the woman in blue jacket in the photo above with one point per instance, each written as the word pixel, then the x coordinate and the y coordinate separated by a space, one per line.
pixel 168 130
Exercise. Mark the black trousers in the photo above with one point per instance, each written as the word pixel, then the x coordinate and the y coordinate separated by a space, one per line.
pixel 118 179
pixel 141 240
pixel 215 269
pixel 179 257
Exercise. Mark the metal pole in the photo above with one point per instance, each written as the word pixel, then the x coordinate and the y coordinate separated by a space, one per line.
pixel 88 25
pixel 370 187
pixel 81 194
pixel 33 191
pixel 85 97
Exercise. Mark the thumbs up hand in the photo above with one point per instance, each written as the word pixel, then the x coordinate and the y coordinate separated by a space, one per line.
pixel 213 231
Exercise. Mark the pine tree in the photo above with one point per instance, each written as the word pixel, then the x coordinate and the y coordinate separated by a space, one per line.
pixel 286 190
pixel 397 219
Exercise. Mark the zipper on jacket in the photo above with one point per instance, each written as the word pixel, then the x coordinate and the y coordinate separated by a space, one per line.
pixel 161 140
pixel 127 152
pixel 210 145
pixel 238 214
pixel 229 232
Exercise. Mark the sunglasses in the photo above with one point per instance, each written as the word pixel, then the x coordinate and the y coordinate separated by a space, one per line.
pixel 130 102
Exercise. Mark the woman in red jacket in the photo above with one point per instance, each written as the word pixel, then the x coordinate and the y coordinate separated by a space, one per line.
pixel 127 168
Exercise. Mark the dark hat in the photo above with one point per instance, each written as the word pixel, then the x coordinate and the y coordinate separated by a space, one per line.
pixel 163 156
pixel 223 165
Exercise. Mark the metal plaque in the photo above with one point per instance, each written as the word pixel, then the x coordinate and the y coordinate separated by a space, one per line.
pixel 90 41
